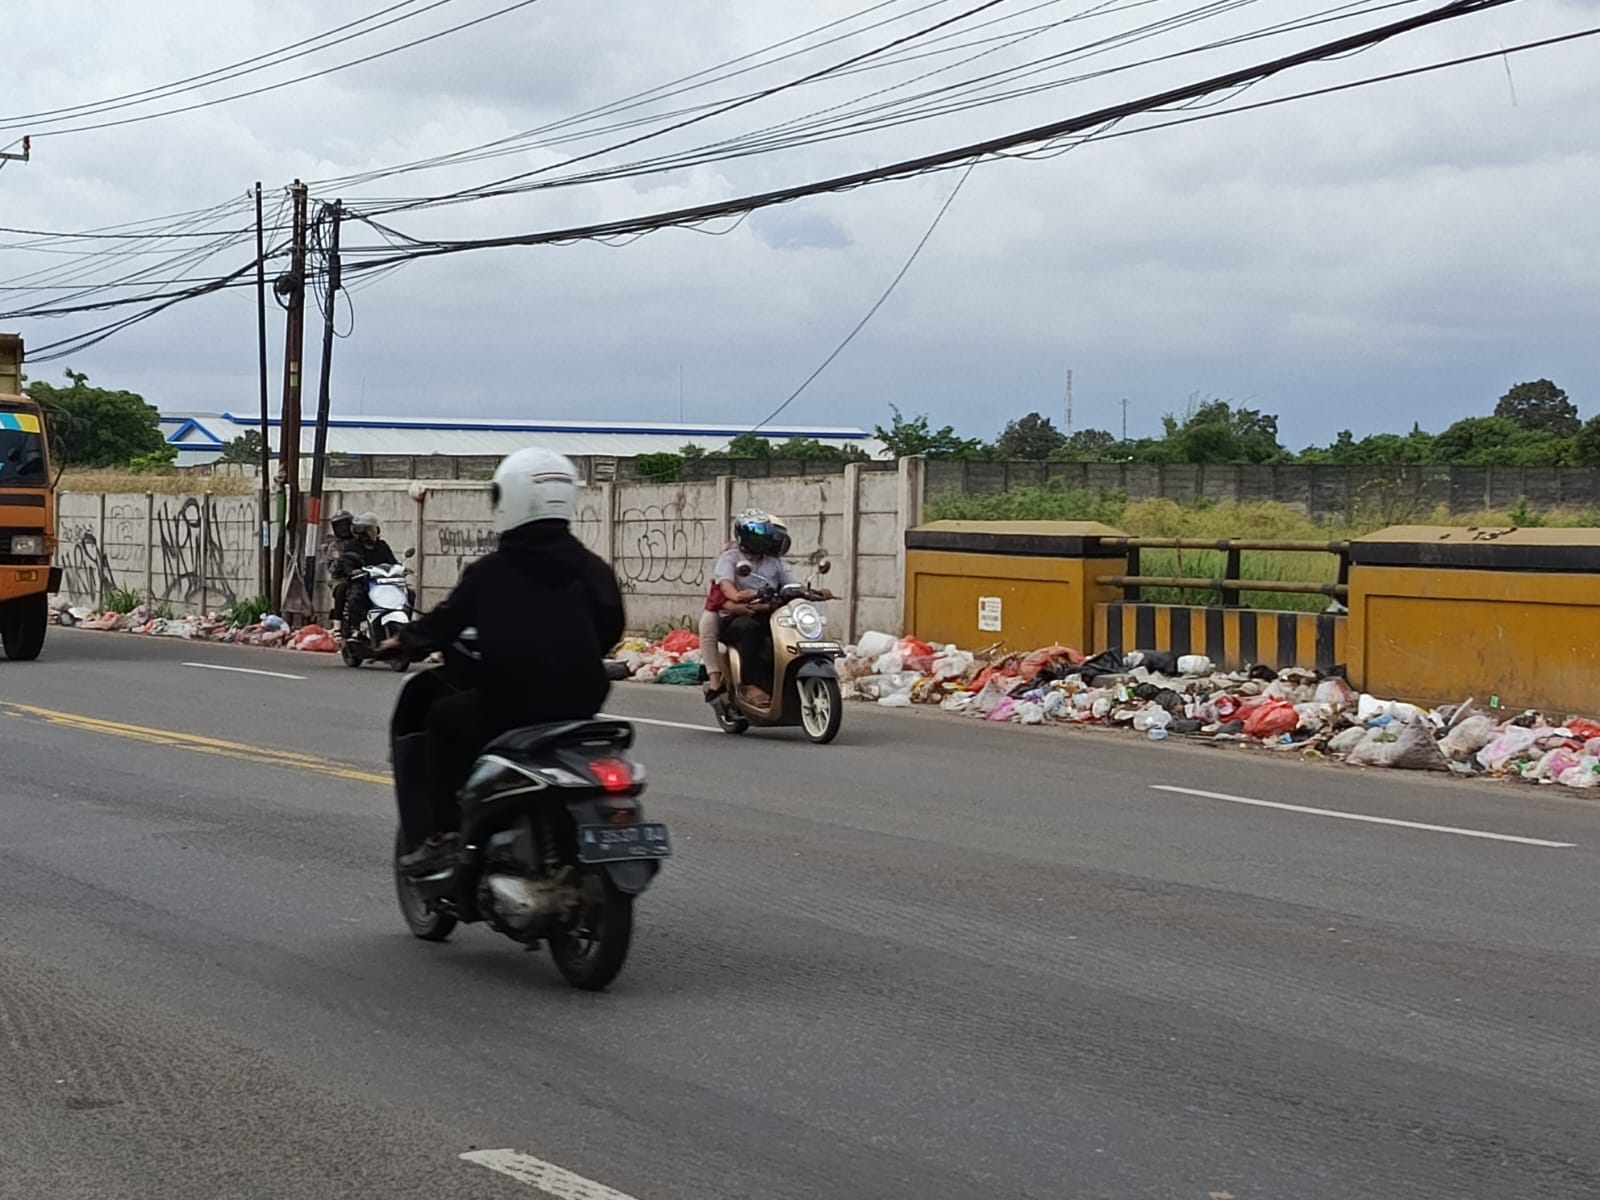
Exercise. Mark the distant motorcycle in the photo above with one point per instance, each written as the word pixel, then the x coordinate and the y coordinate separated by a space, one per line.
pixel 554 846
pixel 805 690
pixel 391 606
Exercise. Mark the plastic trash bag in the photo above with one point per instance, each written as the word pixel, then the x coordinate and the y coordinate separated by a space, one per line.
pixel 895 700
pixel 952 664
pixel 1403 746
pixel 1585 773
pixel 1512 742
pixel 874 644
pixel 1157 662
pixel 679 642
pixel 1467 738
pixel 890 663
pixel 1336 692
pixel 683 674
pixel 1151 718
pixel 1272 719
pixel 1003 709
pixel 1195 665
pixel 1347 740
pixel 1028 712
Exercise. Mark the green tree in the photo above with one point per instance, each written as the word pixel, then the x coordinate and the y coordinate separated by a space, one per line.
pixel 812 450
pixel 905 439
pixel 746 445
pixel 1087 445
pixel 1215 432
pixel 1500 442
pixel 660 468
pixel 98 427
pixel 246 448
pixel 1586 446
pixel 1539 406
pixel 1033 438
pixel 1376 450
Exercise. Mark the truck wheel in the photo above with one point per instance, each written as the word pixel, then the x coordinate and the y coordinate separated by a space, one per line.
pixel 22 626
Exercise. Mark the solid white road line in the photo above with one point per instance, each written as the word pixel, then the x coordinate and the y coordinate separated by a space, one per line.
pixel 244 671
pixel 1348 816
pixel 655 721
pixel 546 1177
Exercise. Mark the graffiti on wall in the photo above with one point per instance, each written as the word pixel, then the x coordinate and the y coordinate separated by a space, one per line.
pixel 191 551
pixel 464 543
pixel 657 545
pixel 86 571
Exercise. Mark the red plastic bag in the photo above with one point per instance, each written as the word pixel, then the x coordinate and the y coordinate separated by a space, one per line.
pixel 1036 662
pixel 1583 728
pixel 313 639
pixel 680 641
pixel 1270 720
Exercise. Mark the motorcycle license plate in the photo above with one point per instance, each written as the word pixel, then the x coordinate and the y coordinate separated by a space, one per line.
pixel 619 843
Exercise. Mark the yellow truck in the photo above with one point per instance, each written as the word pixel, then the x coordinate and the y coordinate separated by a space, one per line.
pixel 27 513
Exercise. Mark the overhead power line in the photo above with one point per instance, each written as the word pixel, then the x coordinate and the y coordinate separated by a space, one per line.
pixel 1054 131
pixel 219 74
pixel 272 87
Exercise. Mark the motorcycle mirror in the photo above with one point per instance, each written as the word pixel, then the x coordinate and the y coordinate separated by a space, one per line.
pixel 824 566
pixel 411 553
pixel 744 569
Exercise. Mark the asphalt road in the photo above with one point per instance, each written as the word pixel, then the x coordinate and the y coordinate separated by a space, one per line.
pixel 938 960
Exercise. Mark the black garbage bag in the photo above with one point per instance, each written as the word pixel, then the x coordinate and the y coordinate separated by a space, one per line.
pixel 1157 662
pixel 1108 662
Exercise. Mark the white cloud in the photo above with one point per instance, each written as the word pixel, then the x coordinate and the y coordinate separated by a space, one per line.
pixel 1403 251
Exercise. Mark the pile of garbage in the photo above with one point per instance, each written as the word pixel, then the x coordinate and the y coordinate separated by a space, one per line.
pixel 673 659
pixel 271 631
pixel 1163 695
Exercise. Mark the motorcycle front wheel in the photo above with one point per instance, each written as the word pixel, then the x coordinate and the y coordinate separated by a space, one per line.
pixel 425 921
pixel 591 955
pixel 350 655
pixel 821 709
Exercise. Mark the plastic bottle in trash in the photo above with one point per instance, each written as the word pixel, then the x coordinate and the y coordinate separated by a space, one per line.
pixel 1158 733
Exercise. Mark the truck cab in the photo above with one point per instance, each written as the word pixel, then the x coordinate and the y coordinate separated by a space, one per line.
pixel 27 513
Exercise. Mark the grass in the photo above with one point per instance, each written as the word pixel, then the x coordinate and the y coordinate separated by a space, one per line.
pixel 160 483
pixel 1212 522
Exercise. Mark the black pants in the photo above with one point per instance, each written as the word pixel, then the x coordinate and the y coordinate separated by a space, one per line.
pixel 454 729
pixel 341 593
pixel 356 608
pixel 753 637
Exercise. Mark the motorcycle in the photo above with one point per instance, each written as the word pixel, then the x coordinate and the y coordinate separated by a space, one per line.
pixel 553 845
pixel 390 604
pixel 805 684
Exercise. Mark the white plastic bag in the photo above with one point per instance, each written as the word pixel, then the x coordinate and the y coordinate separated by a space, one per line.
pixel 1028 713
pixel 895 700
pixel 874 644
pixel 1512 741
pixel 1412 748
pixel 1195 665
pixel 1467 738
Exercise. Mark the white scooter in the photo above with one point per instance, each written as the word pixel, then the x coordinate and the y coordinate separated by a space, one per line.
pixel 390 605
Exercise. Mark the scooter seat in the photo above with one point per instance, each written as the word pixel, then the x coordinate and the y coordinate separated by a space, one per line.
pixel 530 739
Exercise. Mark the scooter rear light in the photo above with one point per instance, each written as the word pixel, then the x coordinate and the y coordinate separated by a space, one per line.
pixel 614 774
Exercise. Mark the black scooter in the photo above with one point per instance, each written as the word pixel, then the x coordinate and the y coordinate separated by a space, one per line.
pixel 553 847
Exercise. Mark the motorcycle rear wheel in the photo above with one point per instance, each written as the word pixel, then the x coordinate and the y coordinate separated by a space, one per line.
pixel 425 922
pixel 591 956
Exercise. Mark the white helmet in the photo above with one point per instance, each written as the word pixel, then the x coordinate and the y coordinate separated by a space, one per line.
pixel 533 484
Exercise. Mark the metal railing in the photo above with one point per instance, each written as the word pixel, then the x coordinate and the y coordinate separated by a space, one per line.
pixel 1230 586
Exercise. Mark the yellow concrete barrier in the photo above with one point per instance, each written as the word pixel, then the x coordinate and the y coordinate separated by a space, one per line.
pixel 1024 583
pixel 1440 614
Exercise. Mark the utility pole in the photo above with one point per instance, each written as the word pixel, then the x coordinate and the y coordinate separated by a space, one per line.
pixel 319 453
pixel 1124 418
pixel 291 291
pixel 10 156
pixel 265 574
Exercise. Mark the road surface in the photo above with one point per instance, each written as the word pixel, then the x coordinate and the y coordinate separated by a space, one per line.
pixel 938 960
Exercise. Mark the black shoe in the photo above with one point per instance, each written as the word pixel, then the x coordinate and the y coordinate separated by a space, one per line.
pixel 428 859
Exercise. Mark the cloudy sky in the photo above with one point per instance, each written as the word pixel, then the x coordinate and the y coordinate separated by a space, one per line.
pixel 1404 251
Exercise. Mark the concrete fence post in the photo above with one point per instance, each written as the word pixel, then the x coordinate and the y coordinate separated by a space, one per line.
pixel 150 547
pixel 908 515
pixel 205 553
pixel 613 535
pixel 849 553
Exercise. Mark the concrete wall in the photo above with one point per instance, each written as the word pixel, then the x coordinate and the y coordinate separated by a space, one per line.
pixel 1396 494
pixel 202 552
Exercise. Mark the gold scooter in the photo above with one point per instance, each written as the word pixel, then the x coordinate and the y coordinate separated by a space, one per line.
pixel 805 686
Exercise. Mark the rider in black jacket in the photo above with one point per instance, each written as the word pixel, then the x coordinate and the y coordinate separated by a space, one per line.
pixel 545 609
pixel 366 549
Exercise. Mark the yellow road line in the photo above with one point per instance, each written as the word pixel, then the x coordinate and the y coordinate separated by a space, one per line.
pixel 261 756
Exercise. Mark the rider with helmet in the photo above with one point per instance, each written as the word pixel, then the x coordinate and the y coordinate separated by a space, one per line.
pixel 367 549
pixel 334 550
pixel 545 609
pixel 761 540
